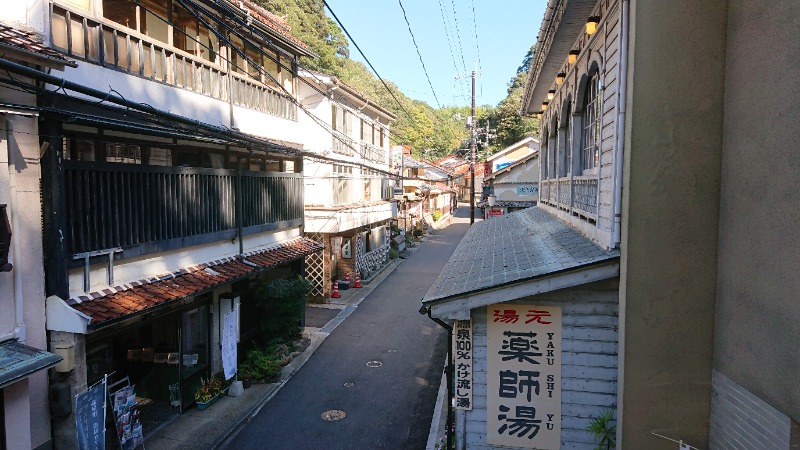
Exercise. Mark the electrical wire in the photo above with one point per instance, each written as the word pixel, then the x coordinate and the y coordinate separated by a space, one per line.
pixel 261 69
pixel 414 40
pixel 458 37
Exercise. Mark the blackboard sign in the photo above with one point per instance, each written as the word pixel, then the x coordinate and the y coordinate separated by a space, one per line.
pixel 90 417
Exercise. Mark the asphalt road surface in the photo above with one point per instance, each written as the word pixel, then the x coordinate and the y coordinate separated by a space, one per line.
pixel 381 367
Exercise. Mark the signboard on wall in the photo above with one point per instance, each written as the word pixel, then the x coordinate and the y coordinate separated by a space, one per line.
pixel 528 190
pixel 462 360
pixel 523 396
pixel 347 250
pixel 336 244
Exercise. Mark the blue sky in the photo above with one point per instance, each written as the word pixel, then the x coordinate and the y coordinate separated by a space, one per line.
pixel 505 31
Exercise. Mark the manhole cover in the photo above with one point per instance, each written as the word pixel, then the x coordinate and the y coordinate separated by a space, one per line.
pixel 349 385
pixel 333 415
pixel 374 364
pixel 356 334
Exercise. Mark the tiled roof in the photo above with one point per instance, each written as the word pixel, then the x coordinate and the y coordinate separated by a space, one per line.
pixel 274 22
pixel 30 42
pixel 511 248
pixel 118 302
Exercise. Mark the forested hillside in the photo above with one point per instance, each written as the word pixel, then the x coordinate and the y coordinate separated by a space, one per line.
pixel 430 132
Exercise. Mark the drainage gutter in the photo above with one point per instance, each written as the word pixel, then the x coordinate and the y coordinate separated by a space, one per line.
pixel 449 371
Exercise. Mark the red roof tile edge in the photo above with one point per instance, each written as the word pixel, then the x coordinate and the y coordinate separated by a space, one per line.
pixel 28 41
pixel 120 301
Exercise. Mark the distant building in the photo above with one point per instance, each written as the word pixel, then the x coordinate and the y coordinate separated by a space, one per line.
pixel 348 203
pixel 513 153
pixel 515 187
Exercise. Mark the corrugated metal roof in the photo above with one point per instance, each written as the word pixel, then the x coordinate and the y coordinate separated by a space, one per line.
pixel 514 247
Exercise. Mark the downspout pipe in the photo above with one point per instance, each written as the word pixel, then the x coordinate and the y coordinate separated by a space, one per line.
pixel 450 372
pixel 620 136
pixel 19 332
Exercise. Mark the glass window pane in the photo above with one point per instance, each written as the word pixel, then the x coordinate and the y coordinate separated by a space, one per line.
pixel 288 80
pixel 108 46
pixel 147 57
pixel 135 63
pixel 160 73
pixel 123 58
pixel 253 61
pixel 154 25
pixel 78 45
pixel 209 45
pixel 59 29
pixel 271 66
pixel 122 12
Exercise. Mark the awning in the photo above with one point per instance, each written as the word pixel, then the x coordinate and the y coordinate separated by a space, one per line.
pixel 18 361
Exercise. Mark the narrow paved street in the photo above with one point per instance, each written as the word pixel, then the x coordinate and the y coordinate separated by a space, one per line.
pixel 381 366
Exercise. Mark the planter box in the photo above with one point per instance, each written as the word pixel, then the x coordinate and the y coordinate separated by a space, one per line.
pixel 203 405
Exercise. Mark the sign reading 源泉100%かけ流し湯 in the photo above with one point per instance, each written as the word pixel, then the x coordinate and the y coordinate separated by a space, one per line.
pixel 523 397
pixel 462 359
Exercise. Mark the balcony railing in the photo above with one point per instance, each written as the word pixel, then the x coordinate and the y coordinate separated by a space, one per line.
pixel 150 208
pixel 112 45
pixel 342 144
pixel 578 195
pixel 373 153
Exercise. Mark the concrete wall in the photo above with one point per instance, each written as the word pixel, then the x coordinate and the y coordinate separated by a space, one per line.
pixel 27 411
pixel 673 141
pixel 588 364
pixel 757 331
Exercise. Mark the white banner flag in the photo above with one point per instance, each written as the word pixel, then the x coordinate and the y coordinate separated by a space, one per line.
pixel 229 353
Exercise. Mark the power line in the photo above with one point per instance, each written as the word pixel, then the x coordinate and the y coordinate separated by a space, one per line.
pixel 365 58
pixel 405 16
pixel 458 38
pixel 447 33
pixel 477 41
pixel 347 33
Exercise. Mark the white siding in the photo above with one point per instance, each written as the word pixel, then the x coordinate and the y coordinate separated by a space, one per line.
pixel 589 364
pixel 741 420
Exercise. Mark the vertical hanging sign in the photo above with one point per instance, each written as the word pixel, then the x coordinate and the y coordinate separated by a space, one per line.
pixel 523 376
pixel 229 344
pixel 90 417
pixel 462 359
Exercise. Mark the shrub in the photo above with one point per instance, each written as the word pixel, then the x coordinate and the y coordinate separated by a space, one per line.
pixel 282 303
pixel 260 364
pixel 393 253
pixel 436 215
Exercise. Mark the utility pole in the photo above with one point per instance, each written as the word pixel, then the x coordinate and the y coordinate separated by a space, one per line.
pixel 472 159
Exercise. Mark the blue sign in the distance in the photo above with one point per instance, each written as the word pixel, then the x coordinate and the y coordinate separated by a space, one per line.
pixel 90 417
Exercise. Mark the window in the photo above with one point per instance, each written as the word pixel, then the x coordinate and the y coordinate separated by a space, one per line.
pixel 591 124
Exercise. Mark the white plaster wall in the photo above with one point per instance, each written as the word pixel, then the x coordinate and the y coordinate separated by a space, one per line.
pixel 331 221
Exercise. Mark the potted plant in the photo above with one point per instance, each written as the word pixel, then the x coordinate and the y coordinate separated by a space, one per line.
pixel 210 390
